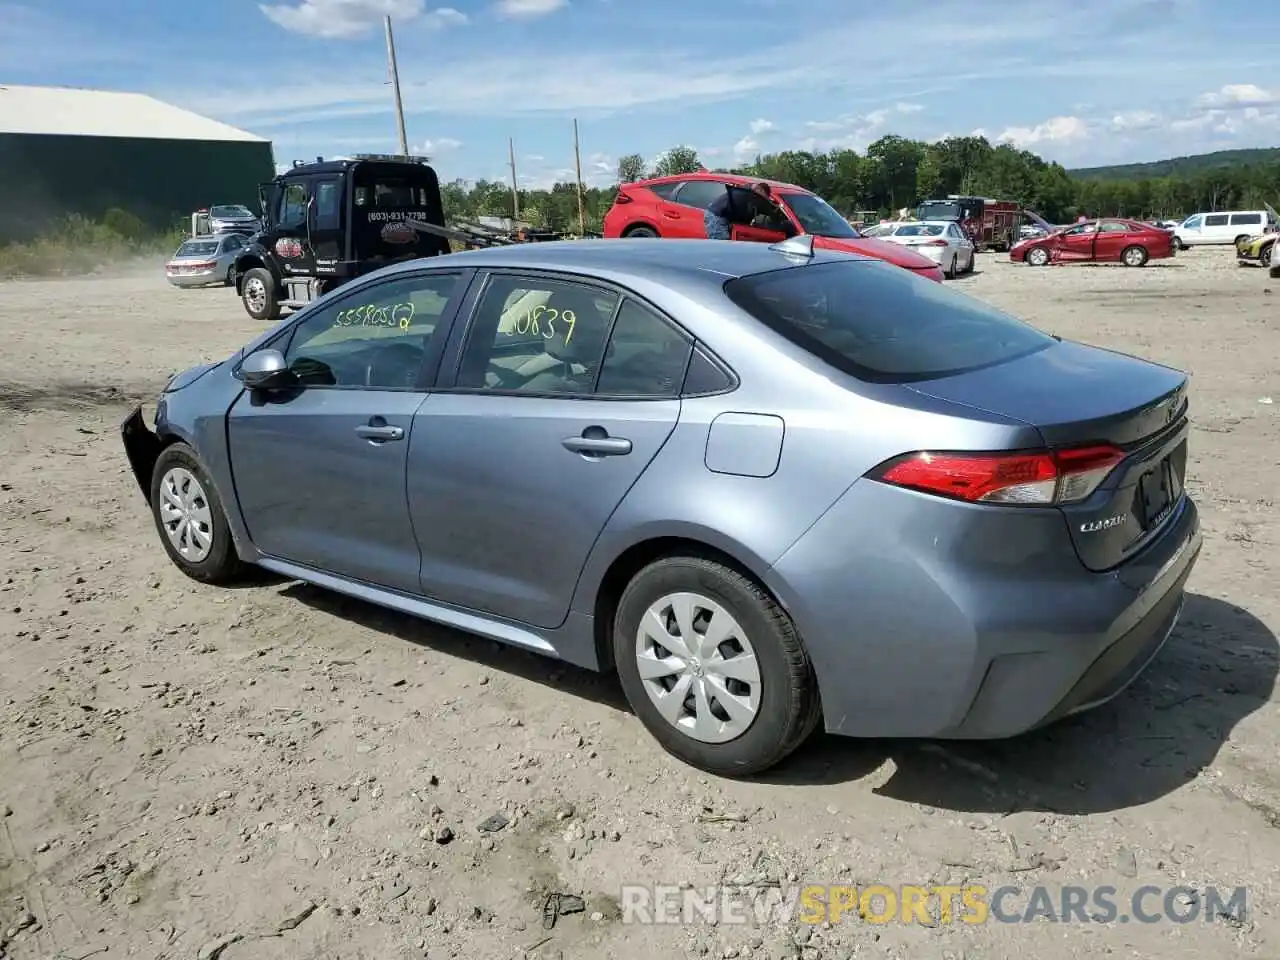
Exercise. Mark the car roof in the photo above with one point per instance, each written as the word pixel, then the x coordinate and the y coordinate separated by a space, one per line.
pixel 645 259
pixel 736 179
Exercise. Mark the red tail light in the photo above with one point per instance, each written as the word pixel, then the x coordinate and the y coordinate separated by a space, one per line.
pixel 622 197
pixel 934 243
pixel 1036 477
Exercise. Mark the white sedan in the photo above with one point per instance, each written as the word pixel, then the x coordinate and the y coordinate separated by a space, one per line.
pixel 940 240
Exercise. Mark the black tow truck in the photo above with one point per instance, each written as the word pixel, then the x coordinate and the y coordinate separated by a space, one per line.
pixel 329 221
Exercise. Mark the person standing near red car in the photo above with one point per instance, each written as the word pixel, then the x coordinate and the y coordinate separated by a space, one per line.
pixel 717 215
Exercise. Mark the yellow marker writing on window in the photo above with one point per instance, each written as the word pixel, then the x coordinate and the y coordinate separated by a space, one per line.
pixel 376 315
pixel 541 322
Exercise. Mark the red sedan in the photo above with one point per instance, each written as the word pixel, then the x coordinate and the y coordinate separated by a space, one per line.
pixel 1097 241
pixel 675 207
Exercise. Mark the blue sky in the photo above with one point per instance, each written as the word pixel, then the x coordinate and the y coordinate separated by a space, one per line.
pixel 1084 81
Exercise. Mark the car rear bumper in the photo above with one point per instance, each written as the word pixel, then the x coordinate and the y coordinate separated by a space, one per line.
pixel 192 279
pixel 929 618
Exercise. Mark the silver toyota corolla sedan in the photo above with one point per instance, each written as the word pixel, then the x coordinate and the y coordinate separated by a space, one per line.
pixel 770 487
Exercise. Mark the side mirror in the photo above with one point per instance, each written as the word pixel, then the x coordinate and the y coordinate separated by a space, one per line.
pixel 266 370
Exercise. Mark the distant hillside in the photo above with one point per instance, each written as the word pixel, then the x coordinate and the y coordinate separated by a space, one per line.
pixel 1180 166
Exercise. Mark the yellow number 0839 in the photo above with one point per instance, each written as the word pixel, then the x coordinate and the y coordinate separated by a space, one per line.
pixel 541 322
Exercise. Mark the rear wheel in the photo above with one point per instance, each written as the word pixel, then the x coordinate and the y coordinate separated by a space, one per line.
pixel 1134 256
pixel 1264 256
pixel 954 268
pixel 259 294
pixel 190 519
pixel 1037 256
pixel 641 232
pixel 713 667
pixel 230 279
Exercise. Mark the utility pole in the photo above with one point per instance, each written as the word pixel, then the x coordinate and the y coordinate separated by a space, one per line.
pixel 395 85
pixel 577 163
pixel 515 184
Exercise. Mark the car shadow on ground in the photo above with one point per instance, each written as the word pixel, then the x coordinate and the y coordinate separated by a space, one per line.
pixel 1219 667
pixel 601 688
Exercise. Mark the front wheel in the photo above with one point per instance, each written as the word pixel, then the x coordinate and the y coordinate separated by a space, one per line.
pixel 1037 256
pixel 1264 257
pixel 1134 256
pixel 713 667
pixel 259 294
pixel 190 519
pixel 1178 245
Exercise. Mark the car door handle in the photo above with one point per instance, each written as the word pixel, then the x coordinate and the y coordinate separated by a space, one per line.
pixel 379 432
pixel 597 446
pixel 671 214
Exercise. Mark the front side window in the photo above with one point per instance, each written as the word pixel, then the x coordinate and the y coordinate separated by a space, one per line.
pixel 881 323
pixel 1192 223
pixel 817 216
pixel 293 204
pixel 375 338
pixel 326 208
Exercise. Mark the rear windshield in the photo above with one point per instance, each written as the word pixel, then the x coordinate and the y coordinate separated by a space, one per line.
pixel 919 230
pixel 230 211
pixel 881 323
pixel 201 248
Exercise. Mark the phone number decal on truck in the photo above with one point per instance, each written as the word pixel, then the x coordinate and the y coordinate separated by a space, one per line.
pixel 380 216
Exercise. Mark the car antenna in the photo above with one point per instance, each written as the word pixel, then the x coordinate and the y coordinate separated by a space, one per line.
pixel 801 245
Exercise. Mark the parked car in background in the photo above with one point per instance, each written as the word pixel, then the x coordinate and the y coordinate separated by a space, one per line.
pixel 942 241
pixel 207 260
pixel 1226 227
pixel 1259 249
pixel 675 208
pixel 1102 241
pixel 972 528
pixel 233 218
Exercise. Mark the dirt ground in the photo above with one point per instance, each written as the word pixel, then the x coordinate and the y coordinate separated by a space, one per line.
pixel 276 772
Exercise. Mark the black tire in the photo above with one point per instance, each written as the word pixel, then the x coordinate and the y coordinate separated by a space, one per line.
pixel 1236 241
pixel 1134 256
pixel 973 262
pixel 230 279
pixel 789 708
pixel 954 270
pixel 269 308
pixel 641 231
pixel 222 564
pixel 1178 245
pixel 1266 253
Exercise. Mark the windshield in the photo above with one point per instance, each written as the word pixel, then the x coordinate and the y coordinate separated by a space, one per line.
pixel 878 322
pixel 919 230
pixel 817 216
pixel 232 211
pixel 198 248
pixel 939 210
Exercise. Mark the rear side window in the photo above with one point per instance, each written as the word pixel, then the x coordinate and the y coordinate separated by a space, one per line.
pixel 1246 219
pixel 665 190
pixel 881 323
pixel 700 193
pixel 1216 220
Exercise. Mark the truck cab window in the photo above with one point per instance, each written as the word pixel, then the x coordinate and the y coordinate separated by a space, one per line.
pixel 293 204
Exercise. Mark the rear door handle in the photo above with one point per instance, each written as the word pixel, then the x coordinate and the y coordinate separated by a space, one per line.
pixel 671 214
pixel 597 446
pixel 379 432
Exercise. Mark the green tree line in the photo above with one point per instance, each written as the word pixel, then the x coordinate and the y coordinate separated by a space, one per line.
pixel 896 172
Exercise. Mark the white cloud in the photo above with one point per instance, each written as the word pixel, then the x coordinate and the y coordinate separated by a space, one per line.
pixel 528 9
pixel 1134 120
pixel 347 19
pixel 433 148
pixel 1239 95
pixel 745 150
pixel 908 107
pixel 1053 130
pixel 761 126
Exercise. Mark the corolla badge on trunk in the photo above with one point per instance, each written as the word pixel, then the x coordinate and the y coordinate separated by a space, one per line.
pixel 1110 523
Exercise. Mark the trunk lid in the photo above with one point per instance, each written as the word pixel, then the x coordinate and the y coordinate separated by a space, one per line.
pixel 1077 395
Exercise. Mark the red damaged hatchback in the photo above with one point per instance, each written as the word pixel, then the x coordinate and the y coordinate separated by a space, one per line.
pixel 675 207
